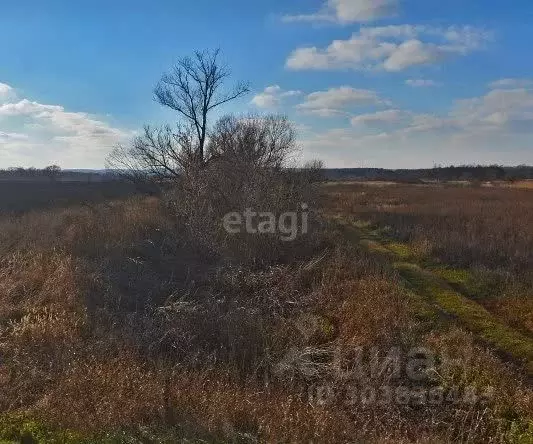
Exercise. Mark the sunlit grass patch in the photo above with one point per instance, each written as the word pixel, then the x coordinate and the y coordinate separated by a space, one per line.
pixel 513 303
pixel 453 275
pixel 520 432
pixel 376 247
pixel 17 428
pixel 403 251
pixel 523 184
pixel 373 235
pixel 425 312
pixel 474 284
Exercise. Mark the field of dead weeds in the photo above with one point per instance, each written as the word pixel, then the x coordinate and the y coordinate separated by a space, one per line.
pixel 482 236
pixel 120 323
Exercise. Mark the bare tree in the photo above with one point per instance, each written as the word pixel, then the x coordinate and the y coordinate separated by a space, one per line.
pixel 194 88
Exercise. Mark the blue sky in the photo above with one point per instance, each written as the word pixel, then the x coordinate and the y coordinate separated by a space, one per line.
pixel 385 83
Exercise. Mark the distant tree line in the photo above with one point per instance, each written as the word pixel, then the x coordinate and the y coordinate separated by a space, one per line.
pixel 51 171
pixel 479 173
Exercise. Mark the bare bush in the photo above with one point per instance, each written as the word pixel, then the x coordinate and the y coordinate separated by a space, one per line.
pixel 247 169
pixel 315 170
pixel 253 141
pixel 156 157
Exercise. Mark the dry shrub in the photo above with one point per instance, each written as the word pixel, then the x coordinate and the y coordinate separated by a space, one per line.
pixel 466 363
pixel 364 297
pixel 373 314
pixel 515 307
pixel 246 170
pixel 122 393
pixel 104 393
pixel 84 230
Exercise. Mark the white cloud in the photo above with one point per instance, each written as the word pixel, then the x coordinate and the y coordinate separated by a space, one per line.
pixel 421 83
pixel 13 136
pixel 348 148
pixel 403 122
pixel 390 48
pixel 272 97
pixel 77 126
pixel 394 31
pixel 381 119
pixel 435 125
pixel 410 53
pixel 26 108
pixel 494 128
pixel 348 11
pixel 499 110
pixel 33 133
pixel 336 101
pixel 5 91
pixel 511 83
pixel 4 88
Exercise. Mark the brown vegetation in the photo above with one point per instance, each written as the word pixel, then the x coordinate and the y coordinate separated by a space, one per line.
pixel 466 226
pixel 22 196
pixel 116 320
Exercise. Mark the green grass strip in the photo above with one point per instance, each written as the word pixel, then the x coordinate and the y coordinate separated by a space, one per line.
pixel 435 285
pixel 470 314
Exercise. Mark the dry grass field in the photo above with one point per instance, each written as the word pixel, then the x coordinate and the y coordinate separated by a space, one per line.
pixel 116 326
pixel 18 197
pixel 484 233
pixel 525 184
